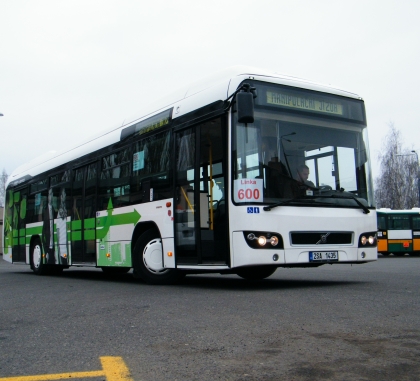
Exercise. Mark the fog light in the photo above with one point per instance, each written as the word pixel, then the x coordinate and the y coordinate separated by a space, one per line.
pixel 363 255
pixel 274 241
pixel 262 240
pixel 275 257
pixel 363 240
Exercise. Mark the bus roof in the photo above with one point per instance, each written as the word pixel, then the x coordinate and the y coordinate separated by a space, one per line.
pixel 212 88
pixel 398 211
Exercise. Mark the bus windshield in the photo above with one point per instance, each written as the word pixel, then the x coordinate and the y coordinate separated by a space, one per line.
pixel 301 155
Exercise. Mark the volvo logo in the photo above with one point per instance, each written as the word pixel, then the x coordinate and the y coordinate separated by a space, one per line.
pixel 323 238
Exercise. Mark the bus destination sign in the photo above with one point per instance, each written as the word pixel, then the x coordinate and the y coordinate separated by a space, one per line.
pixel 304 103
pixel 150 124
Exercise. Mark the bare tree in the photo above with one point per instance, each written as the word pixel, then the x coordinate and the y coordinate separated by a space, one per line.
pixel 396 186
pixel 3 180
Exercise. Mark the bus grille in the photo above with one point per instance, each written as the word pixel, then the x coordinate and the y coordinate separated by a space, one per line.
pixel 321 238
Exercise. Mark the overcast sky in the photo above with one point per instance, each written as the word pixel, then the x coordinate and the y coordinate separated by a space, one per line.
pixel 69 69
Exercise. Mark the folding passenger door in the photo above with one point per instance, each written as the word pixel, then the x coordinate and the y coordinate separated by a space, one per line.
pixel 19 225
pixel 201 223
pixel 83 215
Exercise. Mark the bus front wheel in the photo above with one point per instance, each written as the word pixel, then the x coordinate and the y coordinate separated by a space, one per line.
pixel 148 260
pixel 256 272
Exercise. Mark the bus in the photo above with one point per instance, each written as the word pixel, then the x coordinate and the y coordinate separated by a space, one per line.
pixel 399 232
pixel 240 173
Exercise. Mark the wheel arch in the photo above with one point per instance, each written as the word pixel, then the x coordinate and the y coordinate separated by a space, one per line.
pixel 141 228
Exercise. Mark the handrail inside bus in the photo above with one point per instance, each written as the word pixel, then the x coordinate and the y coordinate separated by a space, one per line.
pixel 188 200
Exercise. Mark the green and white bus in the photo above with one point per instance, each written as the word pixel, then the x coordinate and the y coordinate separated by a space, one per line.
pixel 240 173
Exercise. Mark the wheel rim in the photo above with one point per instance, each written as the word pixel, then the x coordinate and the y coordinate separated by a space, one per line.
pixel 36 256
pixel 152 257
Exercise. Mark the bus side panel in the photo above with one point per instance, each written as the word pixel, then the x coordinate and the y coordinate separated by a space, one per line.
pixel 399 234
pixel 382 245
pixel 416 244
pixel 400 246
pixel 114 230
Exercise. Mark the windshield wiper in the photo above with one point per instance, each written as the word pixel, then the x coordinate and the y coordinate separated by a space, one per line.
pixel 365 208
pixel 268 208
pixel 312 200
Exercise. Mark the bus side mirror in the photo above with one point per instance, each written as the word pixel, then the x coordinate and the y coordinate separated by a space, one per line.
pixel 245 103
pixel 245 107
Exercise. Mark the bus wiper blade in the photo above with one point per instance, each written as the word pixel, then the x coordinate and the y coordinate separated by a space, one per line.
pixel 268 208
pixel 365 208
pixel 313 200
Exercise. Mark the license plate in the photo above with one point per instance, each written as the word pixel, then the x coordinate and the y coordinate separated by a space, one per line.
pixel 323 256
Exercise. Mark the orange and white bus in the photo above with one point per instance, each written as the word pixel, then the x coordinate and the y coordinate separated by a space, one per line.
pixel 399 231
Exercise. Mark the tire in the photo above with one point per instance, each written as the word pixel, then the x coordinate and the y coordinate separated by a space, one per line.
pixel 399 254
pixel 147 260
pixel 256 272
pixel 37 265
pixel 384 253
pixel 115 270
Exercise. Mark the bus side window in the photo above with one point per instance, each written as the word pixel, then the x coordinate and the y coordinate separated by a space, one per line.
pixel 151 163
pixel 37 200
pixel 381 222
pixel 114 180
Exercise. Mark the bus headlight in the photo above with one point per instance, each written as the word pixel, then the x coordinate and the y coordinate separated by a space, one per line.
pixel 367 239
pixel 263 240
pixel 274 241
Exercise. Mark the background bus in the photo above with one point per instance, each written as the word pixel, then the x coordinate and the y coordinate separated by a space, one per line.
pixel 399 231
pixel 209 179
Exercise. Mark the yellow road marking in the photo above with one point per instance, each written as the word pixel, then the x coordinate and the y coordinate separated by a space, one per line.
pixel 113 368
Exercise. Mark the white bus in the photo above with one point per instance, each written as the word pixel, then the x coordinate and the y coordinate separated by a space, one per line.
pixel 240 173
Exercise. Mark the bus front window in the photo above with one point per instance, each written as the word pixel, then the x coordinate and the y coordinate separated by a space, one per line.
pixel 291 156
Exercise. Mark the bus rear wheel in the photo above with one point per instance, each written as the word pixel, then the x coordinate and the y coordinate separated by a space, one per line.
pixel 256 272
pixel 148 260
pixel 37 265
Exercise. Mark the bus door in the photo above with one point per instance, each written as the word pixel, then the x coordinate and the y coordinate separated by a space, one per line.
pixel 19 225
pixel 201 228
pixel 83 240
